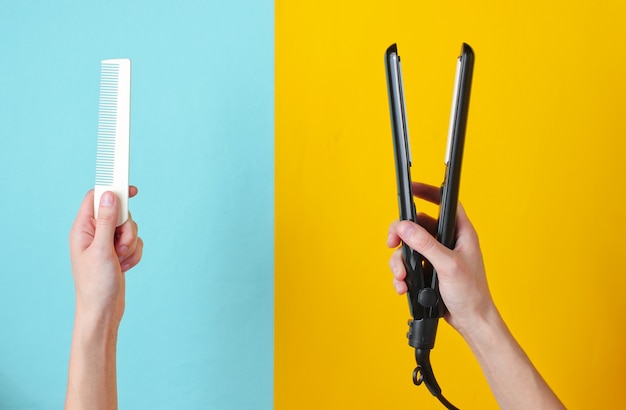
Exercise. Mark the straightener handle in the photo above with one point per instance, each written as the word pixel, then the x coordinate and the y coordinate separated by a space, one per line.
pixel 422 333
pixel 427 297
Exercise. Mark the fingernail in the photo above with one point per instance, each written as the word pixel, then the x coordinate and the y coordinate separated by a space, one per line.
pixel 125 267
pixel 107 199
pixel 122 251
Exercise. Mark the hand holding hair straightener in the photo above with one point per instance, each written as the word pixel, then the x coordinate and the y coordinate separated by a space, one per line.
pixel 455 274
pixel 470 309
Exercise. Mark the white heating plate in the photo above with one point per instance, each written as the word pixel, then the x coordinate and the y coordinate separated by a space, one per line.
pixel 455 106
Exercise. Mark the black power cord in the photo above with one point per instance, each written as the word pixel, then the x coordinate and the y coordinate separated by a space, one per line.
pixel 423 373
pixel 422 337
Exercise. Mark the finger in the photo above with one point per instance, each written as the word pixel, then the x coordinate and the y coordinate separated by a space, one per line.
pixel 428 222
pixel 393 239
pixel 126 238
pixel 106 222
pixel 400 286
pixel 396 263
pixel 420 240
pixel 134 258
pixel 465 232
pixel 132 191
pixel 427 192
pixel 462 220
pixel 399 272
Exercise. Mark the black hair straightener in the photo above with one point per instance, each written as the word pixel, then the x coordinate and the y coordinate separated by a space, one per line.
pixel 425 302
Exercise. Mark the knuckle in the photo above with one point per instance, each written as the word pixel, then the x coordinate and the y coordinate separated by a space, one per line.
pixel 106 217
pixel 422 242
pixel 455 263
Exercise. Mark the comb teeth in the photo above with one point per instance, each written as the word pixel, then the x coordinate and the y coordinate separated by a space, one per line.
pixel 112 154
pixel 107 121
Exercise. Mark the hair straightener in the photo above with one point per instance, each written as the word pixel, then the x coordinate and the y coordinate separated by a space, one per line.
pixel 113 146
pixel 425 302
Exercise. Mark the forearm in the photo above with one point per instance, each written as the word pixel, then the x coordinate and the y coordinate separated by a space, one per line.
pixel 92 381
pixel 513 379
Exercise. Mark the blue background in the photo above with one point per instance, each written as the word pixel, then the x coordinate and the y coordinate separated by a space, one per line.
pixel 197 332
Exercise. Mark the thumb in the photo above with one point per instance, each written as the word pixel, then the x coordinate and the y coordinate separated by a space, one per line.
pixel 421 241
pixel 106 221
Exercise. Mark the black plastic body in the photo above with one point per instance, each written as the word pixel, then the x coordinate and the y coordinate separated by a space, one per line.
pixel 446 222
pixel 402 152
pixel 425 302
pixel 450 188
pixel 422 284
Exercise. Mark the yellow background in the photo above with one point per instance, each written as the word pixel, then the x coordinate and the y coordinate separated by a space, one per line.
pixel 543 182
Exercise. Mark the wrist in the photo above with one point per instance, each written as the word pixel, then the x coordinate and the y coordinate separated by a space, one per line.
pixel 96 337
pixel 484 330
pixel 97 322
pixel 103 311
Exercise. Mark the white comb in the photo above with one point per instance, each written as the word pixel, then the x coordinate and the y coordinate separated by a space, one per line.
pixel 112 157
